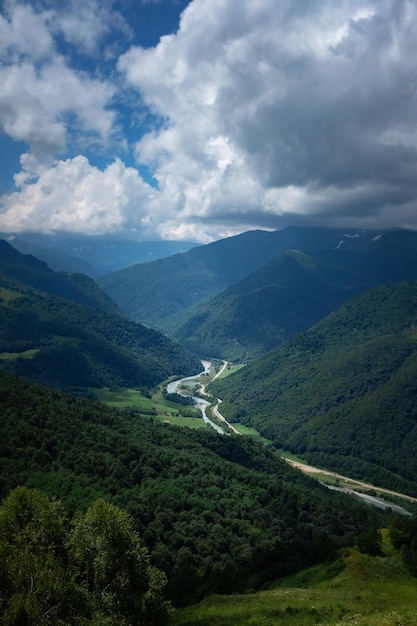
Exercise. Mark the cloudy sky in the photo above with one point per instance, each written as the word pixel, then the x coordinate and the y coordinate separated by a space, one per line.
pixel 197 120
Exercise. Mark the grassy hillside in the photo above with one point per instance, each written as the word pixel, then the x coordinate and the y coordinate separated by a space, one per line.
pixel 217 513
pixel 290 294
pixel 343 393
pixel 354 589
pixel 166 292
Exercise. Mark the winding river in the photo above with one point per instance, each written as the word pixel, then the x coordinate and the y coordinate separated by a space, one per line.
pixel 199 403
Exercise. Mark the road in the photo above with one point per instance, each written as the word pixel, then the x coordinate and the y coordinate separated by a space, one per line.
pixel 309 469
pixel 201 404
pixel 215 408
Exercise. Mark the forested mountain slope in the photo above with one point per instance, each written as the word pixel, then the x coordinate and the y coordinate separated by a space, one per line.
pixel 27 271
pixel 292 293
pixel 343 394
pixel 166 292
pixel 217 513
pixel 58 343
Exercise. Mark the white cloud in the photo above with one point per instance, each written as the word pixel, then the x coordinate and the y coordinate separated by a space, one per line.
pixel 267 113
pixel 24 33
pixel 34 105
pixel 86 24
pixel 76 197
pixel 284 101
pixel 42 99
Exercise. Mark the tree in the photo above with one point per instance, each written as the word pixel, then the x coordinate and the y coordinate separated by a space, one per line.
pixel 37 585
pixel 94 572
pixel 114 569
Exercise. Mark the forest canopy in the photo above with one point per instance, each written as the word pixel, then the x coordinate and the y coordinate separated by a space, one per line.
pixel 92 569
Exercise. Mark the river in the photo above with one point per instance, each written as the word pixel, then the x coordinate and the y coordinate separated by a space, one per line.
pixel 199 403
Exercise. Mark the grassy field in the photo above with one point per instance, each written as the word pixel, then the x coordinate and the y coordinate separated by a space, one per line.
pixel 8 294
pixel 355 589
pixel 230 369
pixel 156 407
pixel 250 432
pixel 27 354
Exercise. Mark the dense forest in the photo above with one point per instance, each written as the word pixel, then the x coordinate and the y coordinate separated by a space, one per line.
pixel 61 330
pixel 293 292
pixel 91 570
pixel 166 292
pixel 343 393
pixel 61 344
pixel 217 513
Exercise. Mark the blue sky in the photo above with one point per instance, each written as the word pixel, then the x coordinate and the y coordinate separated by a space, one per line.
pixel 170 119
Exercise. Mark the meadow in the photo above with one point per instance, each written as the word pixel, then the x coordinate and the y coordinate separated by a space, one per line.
pixel 355 589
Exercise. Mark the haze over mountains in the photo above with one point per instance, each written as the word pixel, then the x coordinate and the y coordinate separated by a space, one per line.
pixel 93 256
pixel 243 296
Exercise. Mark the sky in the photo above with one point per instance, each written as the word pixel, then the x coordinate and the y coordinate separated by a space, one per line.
pixel 197 120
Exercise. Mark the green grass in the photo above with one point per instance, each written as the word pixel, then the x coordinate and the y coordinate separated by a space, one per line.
pixel 355 589
pixel 189 422
pixel 250 432
pixel 230 369
pixel 7 294
pixel 131 398
pixel 162 410
pixel 26 354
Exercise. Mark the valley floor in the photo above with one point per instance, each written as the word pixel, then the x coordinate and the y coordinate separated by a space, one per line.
pixel 356 487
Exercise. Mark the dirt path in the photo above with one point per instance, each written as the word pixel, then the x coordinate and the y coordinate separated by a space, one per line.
pixel 309 469
pixel 215 408
pixel 217 413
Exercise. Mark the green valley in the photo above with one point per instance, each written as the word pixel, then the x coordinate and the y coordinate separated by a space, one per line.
pixel 204 513
pixel 343 393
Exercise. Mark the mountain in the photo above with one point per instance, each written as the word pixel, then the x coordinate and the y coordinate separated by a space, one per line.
pixel 92 255
pixel 265 309
pixel 166 292
pixel 27 271
pixel 55 259
pixel 343 393
pixel 62 330
pixel 60 344
pixel 293 292
pixel 217 513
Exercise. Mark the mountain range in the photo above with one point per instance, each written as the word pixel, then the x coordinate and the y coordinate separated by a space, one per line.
pixel 290 294
pixel 327 323
pixel 167 292
pixel 93 256
pixel 62 330
pixel 240 297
